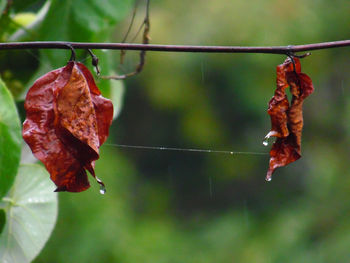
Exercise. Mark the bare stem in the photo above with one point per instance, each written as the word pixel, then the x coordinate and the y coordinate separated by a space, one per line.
pixel 145 41
pixel 174 48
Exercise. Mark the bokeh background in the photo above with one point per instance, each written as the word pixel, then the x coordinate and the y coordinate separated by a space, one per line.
pixel 164 206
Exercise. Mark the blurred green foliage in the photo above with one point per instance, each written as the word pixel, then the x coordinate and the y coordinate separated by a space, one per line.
pixel 196 207
pixel 10 142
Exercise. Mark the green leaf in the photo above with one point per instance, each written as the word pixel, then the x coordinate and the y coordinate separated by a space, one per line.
pixel 31 211
pixel 80 20
pixel 30 24
pixel 99 13
pixel 10 139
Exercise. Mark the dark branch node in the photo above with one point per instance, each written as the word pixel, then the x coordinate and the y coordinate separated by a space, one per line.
pixel 94 61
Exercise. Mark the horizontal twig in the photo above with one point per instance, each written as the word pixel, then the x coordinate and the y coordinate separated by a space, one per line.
pixel 173 48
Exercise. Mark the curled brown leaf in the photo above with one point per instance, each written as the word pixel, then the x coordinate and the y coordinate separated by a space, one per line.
pixel 67 120
pixel 287 118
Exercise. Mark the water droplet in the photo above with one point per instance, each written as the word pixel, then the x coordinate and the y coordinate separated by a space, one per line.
pixel 268 179
pixel 102 189
pixel 231 153
pixel 266 141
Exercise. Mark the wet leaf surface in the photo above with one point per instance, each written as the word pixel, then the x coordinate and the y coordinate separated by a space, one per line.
pixel 287 117
pixel 67 121
pixel 31 211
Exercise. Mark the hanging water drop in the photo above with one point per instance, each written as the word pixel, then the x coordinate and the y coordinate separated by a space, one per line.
pixel 267 137
pixel 102 189
pixel 102 186
pixel 268 179
pixel 266 141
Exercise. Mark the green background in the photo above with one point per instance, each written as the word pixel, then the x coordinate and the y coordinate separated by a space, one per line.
pixel 166 206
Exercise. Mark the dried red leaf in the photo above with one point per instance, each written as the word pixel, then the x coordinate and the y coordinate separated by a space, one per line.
pixel 67 121
pixel 287 119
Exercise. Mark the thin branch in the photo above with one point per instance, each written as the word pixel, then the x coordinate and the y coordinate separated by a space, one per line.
pixel 123 52
pixel 145 41
pixel 174 48
pixel 131 22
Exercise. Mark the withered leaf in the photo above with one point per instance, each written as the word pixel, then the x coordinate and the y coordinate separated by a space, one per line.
pixel 287 118
pixel 67 120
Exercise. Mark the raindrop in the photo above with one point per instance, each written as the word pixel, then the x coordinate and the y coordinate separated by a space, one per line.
pixel 266 141
pixel 102 186
pixel 102 189
pixel 268 179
